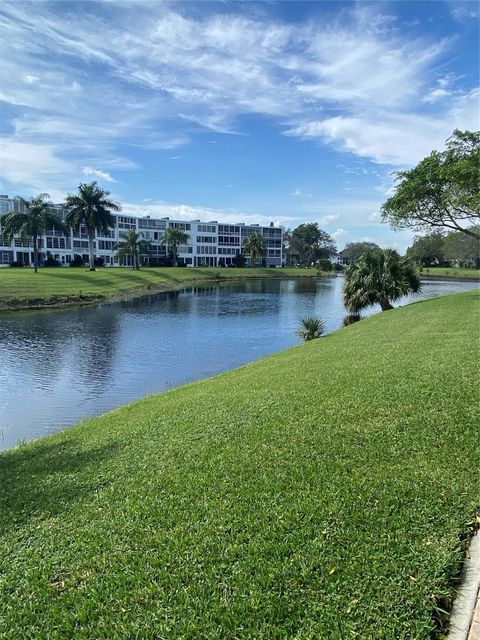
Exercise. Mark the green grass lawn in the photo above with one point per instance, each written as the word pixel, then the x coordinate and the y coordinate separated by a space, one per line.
pixel 451 272
pixel 22 288
pixel 320 493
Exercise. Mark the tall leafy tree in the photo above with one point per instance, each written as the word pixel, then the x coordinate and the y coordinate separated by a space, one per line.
pixel 428 249
pixel 173 238
pixel 93 207
pixel 353 250
pixel 443 190
pixel 311 243
pixel 289 252
pixel 132 245
pixel 462 249
pixel 255 246
pixel 30 224
pixel 378 277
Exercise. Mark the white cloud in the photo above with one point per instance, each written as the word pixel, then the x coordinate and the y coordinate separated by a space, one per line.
pixel 35 167
pixel 29 79
pixel 376 216
pixel 298 193
pixel 157 209
pixel 464 10
pixel 435 95
pixel 326 220
pixel 393 138
pixel 339 235
pixel 96 173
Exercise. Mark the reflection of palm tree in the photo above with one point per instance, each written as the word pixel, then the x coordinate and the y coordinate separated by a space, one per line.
pixel 255 246
pixel 379 276
pixel 92 207
pixel 37 216
pixel 132 246
pixel 173 238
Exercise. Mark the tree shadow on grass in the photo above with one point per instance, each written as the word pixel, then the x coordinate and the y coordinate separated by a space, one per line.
pixel 80 278
pixel 42 481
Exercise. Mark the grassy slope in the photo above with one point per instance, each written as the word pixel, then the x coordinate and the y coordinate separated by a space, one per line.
pixel 21 288
pixel 451 272
pixel 318 493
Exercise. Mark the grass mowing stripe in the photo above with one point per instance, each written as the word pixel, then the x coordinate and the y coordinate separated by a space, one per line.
pixel 318 493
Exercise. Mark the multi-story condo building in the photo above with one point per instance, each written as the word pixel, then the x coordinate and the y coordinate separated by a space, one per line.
pixel 209 243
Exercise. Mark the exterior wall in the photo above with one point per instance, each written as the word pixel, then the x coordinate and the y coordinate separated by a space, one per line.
pixel 209 243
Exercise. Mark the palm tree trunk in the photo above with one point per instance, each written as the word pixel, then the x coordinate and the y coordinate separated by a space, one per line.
pixel 35 253
pixel 174 254
pixel 385 303
pixel 91 257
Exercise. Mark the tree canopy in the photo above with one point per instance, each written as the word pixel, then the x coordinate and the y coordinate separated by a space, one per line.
pixel 437 247
pixel 428 249
pixel 378 277
pixel 311 243
pixel 37 216
pixel 255 246
pixel 354 250
pixel 443 190
pixel 462 248
pixel 92 207
pixel 172 238
pixel 132 245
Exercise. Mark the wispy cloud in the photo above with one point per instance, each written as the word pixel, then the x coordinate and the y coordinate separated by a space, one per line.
pixel 464 10
pixel 176 72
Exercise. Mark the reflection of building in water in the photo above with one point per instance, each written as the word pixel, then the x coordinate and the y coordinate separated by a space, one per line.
pixel 210 244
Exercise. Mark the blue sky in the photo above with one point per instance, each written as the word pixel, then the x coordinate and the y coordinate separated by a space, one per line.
pixel 255 111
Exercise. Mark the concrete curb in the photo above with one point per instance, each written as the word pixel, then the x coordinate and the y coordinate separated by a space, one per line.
pixel 463 611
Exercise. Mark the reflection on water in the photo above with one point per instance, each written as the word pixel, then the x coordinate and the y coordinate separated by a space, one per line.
pixel 58 367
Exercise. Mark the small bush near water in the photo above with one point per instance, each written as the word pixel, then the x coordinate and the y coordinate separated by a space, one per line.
pixel 310 328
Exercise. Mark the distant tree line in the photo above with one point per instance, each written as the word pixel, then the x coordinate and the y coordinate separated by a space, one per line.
pixel 439 248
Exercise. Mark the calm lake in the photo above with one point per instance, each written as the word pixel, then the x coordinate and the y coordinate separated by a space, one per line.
pixel 57 367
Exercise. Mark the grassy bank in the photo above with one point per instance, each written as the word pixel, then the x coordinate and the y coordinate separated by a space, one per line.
pixel 450 272
pixel 318 493
pixel 53 287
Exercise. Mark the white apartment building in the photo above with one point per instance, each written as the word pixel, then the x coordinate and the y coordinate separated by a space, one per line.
pixel 211 243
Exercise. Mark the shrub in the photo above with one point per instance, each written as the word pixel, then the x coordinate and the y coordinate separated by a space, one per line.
pixel 77 261
pixel 51 261
pixel 310 328
pixel 325 264
pixel 16 264
pixel 351 318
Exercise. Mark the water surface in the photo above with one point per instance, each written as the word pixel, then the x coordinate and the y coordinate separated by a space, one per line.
pixel 57 367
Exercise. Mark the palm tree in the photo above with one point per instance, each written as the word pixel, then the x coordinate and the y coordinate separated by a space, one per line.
pixel 173 238
pixel 92 207
pixel 255 246
pixel 380 277
pixel 31 223
pixel 310 328
pixel 132 245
